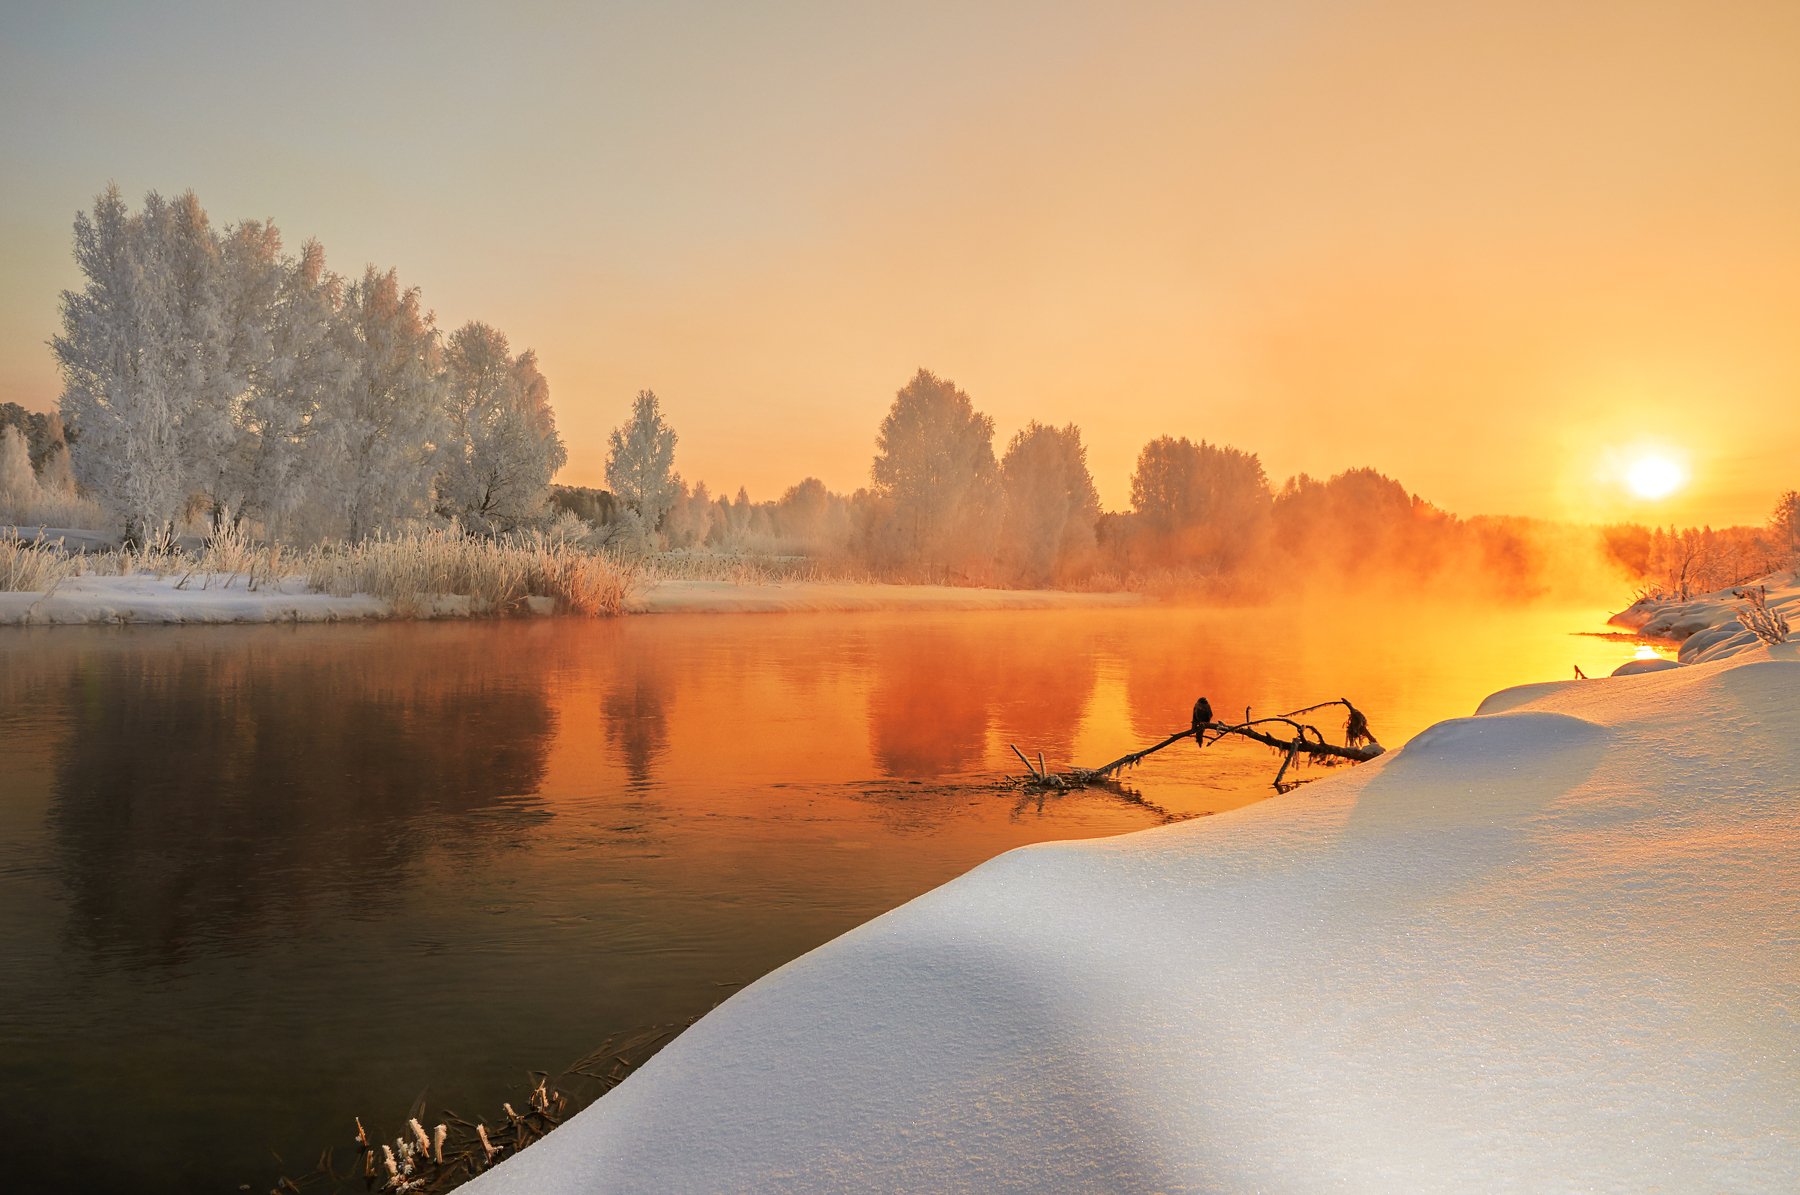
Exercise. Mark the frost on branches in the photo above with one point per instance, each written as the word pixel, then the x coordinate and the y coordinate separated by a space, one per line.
pixel 208 373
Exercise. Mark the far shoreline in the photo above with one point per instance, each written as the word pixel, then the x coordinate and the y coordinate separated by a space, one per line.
pixel 225 600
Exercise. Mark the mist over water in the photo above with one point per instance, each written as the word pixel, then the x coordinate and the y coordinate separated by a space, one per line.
pixel 258 880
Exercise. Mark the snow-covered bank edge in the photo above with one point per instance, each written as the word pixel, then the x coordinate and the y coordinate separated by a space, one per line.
pixel 1708 627
pixel 213 599
pixel 1546 947
pixel 220 598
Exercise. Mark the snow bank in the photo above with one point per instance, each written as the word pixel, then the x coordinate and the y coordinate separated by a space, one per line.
pixel 1707 627
pixel 1549 947
pixel 789 597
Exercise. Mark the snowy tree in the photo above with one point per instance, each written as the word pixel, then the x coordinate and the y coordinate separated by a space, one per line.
pixel 389 413
pixel 501 448
pixel 640 466
pixel 690 517
pixel 18 484
pixel 195 339
pixel 119 393
pixel 1784 530
pixel 55 477
pixel 935 497
pixel 1051 506
pixel 812 519
pixel 299 445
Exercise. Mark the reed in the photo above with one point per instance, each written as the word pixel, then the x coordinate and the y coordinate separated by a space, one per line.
pixel 30 565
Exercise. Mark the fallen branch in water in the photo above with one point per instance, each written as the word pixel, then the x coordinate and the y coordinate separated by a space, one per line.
pixel 1303 741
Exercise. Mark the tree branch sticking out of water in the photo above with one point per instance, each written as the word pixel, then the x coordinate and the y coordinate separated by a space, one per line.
pixel 1295 740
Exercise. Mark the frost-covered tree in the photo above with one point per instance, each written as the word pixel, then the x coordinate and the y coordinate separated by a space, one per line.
pixel 690 517
pixel 640 463
pixel 935 497
pixel 500 448
pixel 1784 530
pixel 55 477
pixel 18 483
pixel 121 393
pixel 191 290
pixel 1051 505
pixel 389 414
pixel 298 445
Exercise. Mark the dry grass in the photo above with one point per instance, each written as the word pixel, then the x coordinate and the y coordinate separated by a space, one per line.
pixel 43 508
pixel 497 576
pixel 31 566
pixel 411 571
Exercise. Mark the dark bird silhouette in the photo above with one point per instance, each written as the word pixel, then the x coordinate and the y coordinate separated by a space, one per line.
pixel 1202 716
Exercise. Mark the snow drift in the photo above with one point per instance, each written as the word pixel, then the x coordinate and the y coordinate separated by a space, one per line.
pixel 1548 947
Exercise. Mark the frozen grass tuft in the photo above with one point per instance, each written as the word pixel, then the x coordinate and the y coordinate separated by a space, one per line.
pixel 497 576
pixel 414 571
pixel 30 565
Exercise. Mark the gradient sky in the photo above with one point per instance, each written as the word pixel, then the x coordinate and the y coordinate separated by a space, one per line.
pixel 1493 250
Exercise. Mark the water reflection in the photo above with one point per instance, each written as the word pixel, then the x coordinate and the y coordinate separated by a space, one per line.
pixel 928 712
pixel 364 862
pixel 636 719
pixel 206 796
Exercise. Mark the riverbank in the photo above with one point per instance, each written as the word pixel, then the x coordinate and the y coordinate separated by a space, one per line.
pixel 1709 626
pixel 1547 946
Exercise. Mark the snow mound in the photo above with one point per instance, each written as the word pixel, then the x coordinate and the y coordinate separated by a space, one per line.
pixel 1547 949
pixel 1635 667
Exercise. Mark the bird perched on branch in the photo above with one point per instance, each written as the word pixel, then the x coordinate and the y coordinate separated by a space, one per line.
pixel 1202 719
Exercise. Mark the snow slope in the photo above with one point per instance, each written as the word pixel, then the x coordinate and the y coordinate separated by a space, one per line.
pixel 1553 947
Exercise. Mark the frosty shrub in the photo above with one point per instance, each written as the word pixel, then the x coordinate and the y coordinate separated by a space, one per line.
pixel 1771 626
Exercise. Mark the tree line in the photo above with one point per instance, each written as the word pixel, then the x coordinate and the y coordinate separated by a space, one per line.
pixel 211 375
pixel 942 504
pixel 207 371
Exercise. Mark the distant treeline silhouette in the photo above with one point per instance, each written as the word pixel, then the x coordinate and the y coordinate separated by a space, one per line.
pixel 941 506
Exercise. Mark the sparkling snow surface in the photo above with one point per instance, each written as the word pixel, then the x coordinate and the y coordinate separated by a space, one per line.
pixel 1553 947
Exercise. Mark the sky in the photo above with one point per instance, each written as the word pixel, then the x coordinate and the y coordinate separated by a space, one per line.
pixel 1500 252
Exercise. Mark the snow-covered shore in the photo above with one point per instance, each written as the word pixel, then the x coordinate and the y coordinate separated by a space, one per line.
pixel 1548 947
pixel 1708 627
pixel 145 598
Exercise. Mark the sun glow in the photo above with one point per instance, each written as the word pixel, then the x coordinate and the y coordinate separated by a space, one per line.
pixel 1654 475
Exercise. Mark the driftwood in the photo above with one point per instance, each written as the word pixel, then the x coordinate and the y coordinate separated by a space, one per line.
pixel 1284 732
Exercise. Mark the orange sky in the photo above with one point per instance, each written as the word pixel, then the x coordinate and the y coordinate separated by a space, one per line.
pixel 1491 250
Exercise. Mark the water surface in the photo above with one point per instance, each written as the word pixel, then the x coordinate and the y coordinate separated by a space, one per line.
pixel 254 880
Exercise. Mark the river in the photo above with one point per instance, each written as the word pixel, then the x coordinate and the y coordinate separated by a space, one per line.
pixel 255 880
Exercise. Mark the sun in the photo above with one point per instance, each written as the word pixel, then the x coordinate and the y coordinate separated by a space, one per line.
pixel 1654 475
